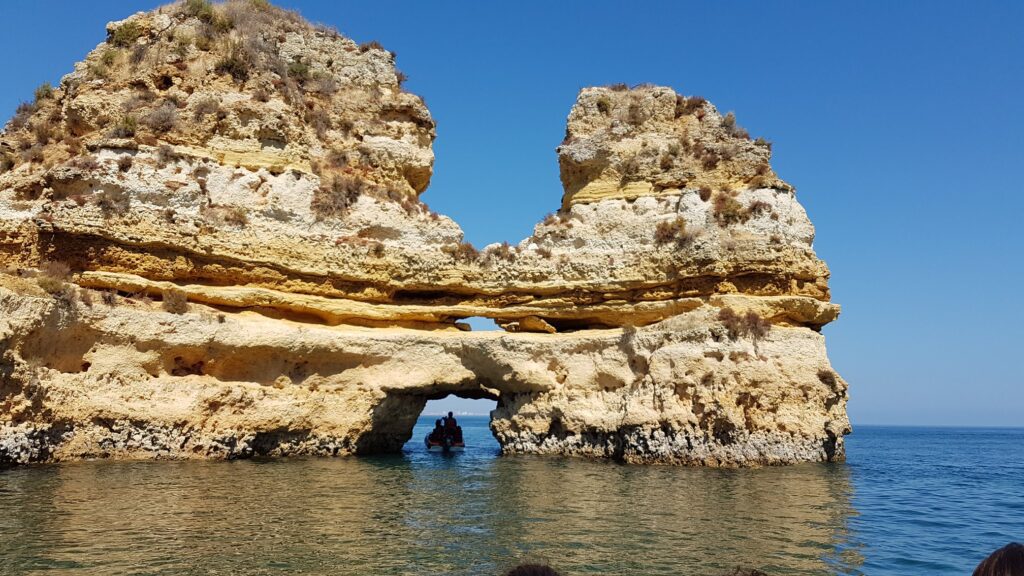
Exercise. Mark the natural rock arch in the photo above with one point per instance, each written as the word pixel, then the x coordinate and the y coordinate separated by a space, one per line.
pixel 320 302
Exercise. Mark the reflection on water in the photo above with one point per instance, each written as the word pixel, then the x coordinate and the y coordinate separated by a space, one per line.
pixel 420 513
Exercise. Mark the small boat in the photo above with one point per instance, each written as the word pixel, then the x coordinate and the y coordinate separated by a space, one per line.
pixel 444 445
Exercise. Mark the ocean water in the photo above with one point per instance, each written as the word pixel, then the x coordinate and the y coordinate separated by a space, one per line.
pixel 908 501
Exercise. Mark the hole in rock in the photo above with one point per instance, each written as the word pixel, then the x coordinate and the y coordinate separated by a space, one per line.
pixel 473 416
pixel 401 420
pixel 481 324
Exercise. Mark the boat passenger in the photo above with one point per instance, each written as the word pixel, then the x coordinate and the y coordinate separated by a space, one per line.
pixel 437 434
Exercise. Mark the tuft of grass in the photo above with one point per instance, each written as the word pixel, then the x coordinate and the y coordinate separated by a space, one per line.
pixel 125 127
pixel 618 87
pixel 44 91
pixel 175 301
pixel 125 35
pixel 109 297
pixel 124 163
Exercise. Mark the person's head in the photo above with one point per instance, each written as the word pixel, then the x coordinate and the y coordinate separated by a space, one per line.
pixel 450 415
pixel 437 422
pixel 1007 561
pixel 532 570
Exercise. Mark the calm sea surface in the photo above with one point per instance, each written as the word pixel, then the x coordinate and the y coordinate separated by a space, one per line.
pixel 909 501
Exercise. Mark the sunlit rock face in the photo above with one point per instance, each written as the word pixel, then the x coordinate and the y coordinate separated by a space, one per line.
pixel 212 246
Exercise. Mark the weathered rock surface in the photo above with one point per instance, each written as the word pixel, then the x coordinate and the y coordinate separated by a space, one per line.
pixel 259 178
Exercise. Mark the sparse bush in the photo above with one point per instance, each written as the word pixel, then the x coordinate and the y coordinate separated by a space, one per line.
pixel 401 77
pixel 729 123
pixel 635 115
pixel 165 154
pixel 206 107
pixel 337 196
pixel 138 54
pixel 686 106
pixel 112 201
pixel 759 207
pixel 163 119
pixel 21 115
pixel 261 94
pixel 747 325
pixel 827 377
pixel 298 70
pixel 43 131
pixel 462 252
pixel 6 163
pixel 728 210
pixel 503 251
pixel 55 269
pixel 237 62
pixel 236 215
pixel 52 275
pixel 125 127
pixel 33 154
pixel 618 87
pixel 320 120
pixel 544 252
pixel 87 163
pixel 705 193
pixel 109 298
pixel 324 84
pixel 86 297
pixel 669 231
pixel 201 9
pixel 125 35
pixel 371 45
pixel 44 91
pixel 124 163
pixel 337 158
pixel 763 142
pixel 175 301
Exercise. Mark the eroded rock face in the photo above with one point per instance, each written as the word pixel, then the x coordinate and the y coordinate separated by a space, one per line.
pixel 213 247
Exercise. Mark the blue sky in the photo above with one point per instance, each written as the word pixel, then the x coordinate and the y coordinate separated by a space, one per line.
pixel 900 124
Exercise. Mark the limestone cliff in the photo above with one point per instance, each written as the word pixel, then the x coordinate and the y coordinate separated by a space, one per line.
pixel 212 245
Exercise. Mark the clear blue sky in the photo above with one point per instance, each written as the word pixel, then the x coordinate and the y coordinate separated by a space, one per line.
pixel 900 124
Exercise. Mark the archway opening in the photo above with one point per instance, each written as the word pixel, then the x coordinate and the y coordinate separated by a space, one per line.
pixel 473 416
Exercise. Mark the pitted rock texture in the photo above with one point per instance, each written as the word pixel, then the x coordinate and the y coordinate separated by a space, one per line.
pixel 212 246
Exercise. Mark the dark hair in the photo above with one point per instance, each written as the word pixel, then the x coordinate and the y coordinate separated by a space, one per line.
pixel 449 413
pixel 437 422
pixel 1007 561
pixel 532 570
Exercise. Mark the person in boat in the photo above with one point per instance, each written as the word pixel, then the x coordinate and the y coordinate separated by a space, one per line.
pixel 449 423
pixel 437 434
pixel 458 435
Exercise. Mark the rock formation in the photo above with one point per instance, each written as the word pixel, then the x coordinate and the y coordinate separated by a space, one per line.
pixel 212 246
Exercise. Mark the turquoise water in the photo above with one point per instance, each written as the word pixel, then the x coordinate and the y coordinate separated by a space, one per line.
pixel 909 501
